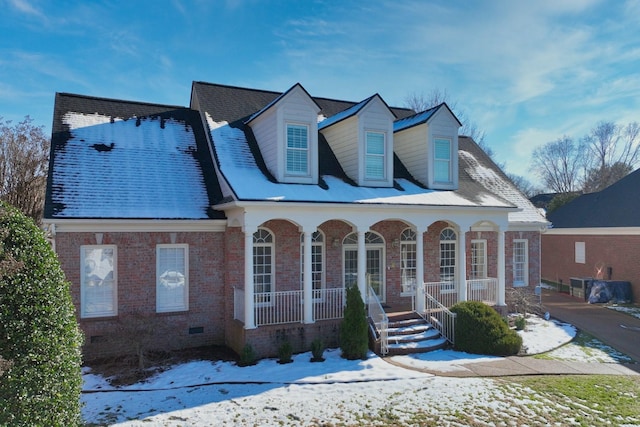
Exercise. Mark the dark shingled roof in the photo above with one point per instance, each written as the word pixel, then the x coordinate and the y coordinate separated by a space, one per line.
pixel 615 206
pixel 62 199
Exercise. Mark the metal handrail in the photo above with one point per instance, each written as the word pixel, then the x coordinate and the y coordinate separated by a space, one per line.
pixel 440 317
pixel 379 318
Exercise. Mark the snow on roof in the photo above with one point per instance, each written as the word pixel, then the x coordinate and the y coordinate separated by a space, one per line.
pixel 239 168
pixel 497 184
pixel 134 168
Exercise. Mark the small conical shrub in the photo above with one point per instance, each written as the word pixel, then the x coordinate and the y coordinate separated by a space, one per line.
pixel 354 340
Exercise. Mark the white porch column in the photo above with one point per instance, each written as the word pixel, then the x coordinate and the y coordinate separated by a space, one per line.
pixel 249 314
pixel 462 264
pixel 419 272
pixel 501 268
pixel 307 285
pixel 362 266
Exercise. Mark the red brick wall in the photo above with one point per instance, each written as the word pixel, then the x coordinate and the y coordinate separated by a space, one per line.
pixel 620 253
pixel 136 284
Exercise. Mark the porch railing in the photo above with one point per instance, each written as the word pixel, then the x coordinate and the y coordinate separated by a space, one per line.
pixel 273 308
pixel 444 292
pixel 483 290
pixel 379 318
pixel 328 303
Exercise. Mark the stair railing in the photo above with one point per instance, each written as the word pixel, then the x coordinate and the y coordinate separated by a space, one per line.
pixel 379 319
pixel 440 317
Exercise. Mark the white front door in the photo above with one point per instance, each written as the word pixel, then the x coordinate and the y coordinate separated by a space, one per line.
pixel 374 273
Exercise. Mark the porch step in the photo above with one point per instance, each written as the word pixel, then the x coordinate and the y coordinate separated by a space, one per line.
pixel 409 333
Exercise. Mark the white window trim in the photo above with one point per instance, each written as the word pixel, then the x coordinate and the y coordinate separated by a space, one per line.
pixel 580 253
pixel 449 160
pixel 320 244
pixel 525 282
pixel 271 294
pixel 83 296
pixel 405 246
pixel 483 244
pixel 176 308
pixel 384 156
pixel 451 288
pixel 287 172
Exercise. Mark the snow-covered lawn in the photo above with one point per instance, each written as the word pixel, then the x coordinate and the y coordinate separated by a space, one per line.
pixel 334 392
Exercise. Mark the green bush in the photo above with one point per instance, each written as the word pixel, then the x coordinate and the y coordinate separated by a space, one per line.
pixel 248 356
pixel 354 339
pixel 481 330
pixel 521 323
pixel 285 351
pixel 39 335
pixel 317 350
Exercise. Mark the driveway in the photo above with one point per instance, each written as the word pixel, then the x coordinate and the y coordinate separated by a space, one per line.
pixel 597 320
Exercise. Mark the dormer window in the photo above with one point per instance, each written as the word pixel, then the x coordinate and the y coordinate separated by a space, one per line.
pixel 362 139
pixel 286 131
pixel 297 149
pixel 375 156
pixel 442 160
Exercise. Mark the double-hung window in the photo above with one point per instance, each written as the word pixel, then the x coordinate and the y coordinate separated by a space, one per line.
pixel 442 160
pixel 520 262
pixel 478 259
pixel 408 260
pixel 172 278
pixel 297 162
pixel 263 266
pixel 448 259
pixel 317 263
pixel 375 156
pixel 98 281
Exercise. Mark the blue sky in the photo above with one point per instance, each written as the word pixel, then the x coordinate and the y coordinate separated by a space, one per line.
pixel 526 72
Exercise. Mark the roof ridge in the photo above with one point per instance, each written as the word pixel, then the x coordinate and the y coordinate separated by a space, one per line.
pixel 127 101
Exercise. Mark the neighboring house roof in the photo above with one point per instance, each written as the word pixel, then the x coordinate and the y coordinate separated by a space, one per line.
pixel 615 206
pixel 120 159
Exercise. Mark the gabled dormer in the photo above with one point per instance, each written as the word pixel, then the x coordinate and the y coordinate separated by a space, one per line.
pixel 286 131
pixel 361 137
pixel 427 144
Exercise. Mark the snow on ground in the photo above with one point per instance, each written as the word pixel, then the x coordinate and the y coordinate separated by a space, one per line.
pixel 336 391
pixel 633 311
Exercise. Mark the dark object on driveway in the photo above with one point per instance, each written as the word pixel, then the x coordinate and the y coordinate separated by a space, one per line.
pixel 603 291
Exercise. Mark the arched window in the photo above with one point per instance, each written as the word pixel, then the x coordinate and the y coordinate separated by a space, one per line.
pixel 317 261
pixel 448 239
pixel 374 246
pixel 263 266
pixel 408 260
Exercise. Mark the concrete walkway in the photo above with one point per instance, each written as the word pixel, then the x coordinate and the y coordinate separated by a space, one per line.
pixel 601 322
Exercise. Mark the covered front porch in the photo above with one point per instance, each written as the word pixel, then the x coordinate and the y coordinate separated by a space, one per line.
pixel 296 267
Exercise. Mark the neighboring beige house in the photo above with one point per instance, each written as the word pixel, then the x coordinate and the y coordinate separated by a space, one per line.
pixel 242 218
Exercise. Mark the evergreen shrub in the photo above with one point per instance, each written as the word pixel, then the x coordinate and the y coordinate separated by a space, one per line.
pixel 481 330
pixel 39 336
pixel 354 339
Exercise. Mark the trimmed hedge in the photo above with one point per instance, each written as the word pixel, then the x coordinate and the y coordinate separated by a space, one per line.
pixel 354 338
pixel 481 330
pixel 39 335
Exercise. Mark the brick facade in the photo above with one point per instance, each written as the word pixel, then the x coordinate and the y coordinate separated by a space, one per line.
pixel 618 254
pixel 216 267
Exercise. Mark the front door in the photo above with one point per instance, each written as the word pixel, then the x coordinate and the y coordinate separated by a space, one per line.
pixel 374 262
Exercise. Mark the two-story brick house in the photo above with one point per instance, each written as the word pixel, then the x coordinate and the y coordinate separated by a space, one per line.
pixel 242 218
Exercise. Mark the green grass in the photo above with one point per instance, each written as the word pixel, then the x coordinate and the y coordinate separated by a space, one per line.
pixel 589 400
